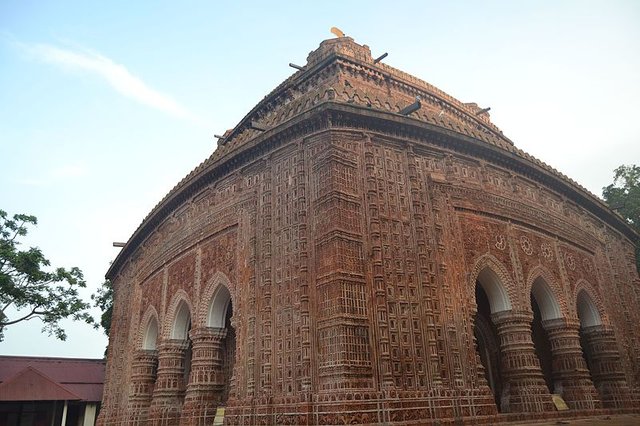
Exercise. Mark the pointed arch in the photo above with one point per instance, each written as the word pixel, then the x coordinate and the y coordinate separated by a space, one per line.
pixel 215 301
pixel 178 318
pixel 589 307
pixel 587 310
pixel 149 330
pixel 181 322
pixel 150 339
pixel 218 308
pixel 495 281
pixel 542 286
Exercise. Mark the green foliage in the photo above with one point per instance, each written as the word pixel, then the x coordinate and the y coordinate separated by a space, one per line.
pixel 623 196
pixel 103 299
pixel 30 287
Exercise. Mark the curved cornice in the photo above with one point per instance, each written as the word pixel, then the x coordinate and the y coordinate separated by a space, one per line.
pixel 465 132
pixel 318 118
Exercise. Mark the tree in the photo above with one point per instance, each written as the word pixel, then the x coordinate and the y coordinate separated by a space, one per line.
pixel 103 299
pixel 623 196
pixel 29 288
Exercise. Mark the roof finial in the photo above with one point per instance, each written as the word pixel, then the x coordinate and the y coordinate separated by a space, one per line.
pixel 337 32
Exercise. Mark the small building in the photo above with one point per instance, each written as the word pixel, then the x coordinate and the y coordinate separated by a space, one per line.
pixel 42 391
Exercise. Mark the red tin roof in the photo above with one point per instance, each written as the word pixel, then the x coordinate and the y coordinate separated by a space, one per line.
pixel 40 379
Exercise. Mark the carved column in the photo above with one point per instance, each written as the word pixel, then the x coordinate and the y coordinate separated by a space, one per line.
pixel 168 394
pixel 570 374
pixel 606 368
pixel 143 379
pixel 523 388
pixel 206 379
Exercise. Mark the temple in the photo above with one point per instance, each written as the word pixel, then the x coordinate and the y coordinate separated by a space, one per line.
pixel 362 248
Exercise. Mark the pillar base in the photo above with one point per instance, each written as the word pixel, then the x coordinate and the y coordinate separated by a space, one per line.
pixel 206 381
pixel 524 389
pixel 144 368
pixel 199 412
pixel 606 368
pixel 166 413
pixel 571 378
pixel 168 395
pixel 581 396
pixel 525 397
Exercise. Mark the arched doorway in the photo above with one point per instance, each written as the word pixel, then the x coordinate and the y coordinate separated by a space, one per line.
pixel 491 297
pixel 229 354
pixel 589 317
pixel 522 385
pixel 181 323
pixel 601 352
pixel 219 318
pixel 150 339
pixel 545 308
pixel 174 363
pixel 211 372
pixel 180 333
pixel 587 310
pixel 542 345
pixel 488 346
pixel 144 372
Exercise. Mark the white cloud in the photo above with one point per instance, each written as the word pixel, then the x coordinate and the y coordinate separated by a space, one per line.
pixel 117 75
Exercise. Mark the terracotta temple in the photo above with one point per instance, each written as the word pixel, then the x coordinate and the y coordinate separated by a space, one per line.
pixel 363 248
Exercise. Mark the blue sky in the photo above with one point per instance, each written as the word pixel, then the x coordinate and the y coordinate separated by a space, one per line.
pixel 105 106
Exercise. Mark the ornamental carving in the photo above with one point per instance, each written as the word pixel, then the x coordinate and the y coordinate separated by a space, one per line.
pixel 476 236
pixel 501 242
pixel 570 261
pixel 546 251
pixel 526 245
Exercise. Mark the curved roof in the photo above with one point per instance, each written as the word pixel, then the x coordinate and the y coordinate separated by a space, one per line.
pixel 327 79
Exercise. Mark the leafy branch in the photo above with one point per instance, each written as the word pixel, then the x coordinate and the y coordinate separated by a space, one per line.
pixel 30 287
pixel 623 196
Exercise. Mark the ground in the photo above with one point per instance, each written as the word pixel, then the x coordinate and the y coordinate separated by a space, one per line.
pixel 622 420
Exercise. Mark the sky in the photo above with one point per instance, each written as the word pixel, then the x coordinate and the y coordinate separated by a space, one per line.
pixel 105 106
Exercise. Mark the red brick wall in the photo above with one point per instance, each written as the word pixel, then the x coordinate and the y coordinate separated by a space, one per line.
pixel 351 242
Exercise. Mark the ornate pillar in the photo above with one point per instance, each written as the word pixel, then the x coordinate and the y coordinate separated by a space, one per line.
pixel 168 394
pixel 206 379
pixel 570 374
pixel 606 368
pixel 143 378
pixel 523 388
